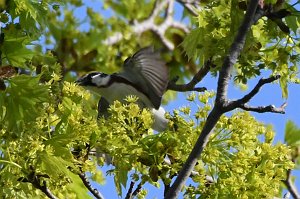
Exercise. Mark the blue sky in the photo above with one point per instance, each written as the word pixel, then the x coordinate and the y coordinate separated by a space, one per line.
pixel 269 94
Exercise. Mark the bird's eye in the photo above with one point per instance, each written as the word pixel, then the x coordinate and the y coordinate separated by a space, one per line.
pixel 103 75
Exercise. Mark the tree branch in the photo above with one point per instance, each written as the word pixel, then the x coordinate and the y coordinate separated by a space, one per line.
pixel 191 85
pixel 44 189
pixel 290 185
pixel 150 25
pixel 129 193
pixel 221 101
pixel 137 190
pixel 241 103
pixel 287 195
pixel 234 52
pixel 36 182
pixel 170 9
pixel 263 109
pixel 255 90
pixel 88 185
pixel 190 163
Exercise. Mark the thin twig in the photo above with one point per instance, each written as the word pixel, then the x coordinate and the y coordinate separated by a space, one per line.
pixel 44 189
pixel 36 182
pixel 191 85
pixel 255 90
pixel 137 190
pixel 88 185
pixel 287 195
pixel 167 187
pixel 129 193
pixel 241 103
pixel 263 109
pixel 290 185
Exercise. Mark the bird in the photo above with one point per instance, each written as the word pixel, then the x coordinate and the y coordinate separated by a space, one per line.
pixel 144 75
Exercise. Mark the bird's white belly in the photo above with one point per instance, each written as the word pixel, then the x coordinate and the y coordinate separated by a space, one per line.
pixel 119 91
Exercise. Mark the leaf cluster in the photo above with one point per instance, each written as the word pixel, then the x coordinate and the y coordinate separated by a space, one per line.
pixel 267 46
pixel 292 139
pixel 44 138
pixel 48 125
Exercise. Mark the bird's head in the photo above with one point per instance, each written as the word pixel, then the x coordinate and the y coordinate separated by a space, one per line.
pixel 94 79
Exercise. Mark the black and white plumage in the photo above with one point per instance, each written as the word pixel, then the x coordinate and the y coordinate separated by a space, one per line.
pixel 144 74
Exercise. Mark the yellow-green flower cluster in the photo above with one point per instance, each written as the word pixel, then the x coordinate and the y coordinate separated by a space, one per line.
pixel 243 160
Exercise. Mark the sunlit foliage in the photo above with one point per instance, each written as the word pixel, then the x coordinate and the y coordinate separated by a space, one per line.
pixel 48 125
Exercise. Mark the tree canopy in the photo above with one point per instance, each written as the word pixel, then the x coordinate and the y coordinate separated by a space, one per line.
pixel 49 127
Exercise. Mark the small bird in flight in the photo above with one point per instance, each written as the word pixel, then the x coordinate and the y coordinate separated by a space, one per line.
pixel 144 75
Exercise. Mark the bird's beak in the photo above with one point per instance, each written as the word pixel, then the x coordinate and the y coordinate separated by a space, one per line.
pixel 82 81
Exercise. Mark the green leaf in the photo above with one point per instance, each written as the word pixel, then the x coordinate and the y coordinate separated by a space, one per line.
pixel 52 165
pixel 24 99
pixel 16 52
pixel 190 43
pixel 60 144
pixel 118 185
pixel 93 139
pixel 2 107
pixel 291 22
pixel 31 13
pixel 297 163
pixel 11 163
pixel 236 15
pixel 121 176
pixel 283 85
pixel 292 134
pixel 98 177
pixel 78 187
pixel 118 6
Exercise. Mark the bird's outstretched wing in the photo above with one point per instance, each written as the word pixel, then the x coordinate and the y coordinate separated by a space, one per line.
pixel 147 70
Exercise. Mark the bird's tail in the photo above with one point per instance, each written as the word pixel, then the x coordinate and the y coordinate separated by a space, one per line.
pixel 160 122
